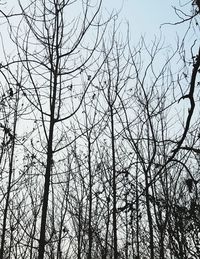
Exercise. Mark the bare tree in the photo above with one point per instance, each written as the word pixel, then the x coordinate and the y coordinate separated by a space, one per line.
pixel 56 58
pixel 99 140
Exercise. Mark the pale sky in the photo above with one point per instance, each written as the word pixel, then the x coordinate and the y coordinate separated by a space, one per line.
pixel 145 18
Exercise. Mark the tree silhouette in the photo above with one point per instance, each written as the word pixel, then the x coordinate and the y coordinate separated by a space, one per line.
pixel 99 139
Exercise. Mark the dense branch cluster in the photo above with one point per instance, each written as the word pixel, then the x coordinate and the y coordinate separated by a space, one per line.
pixel 99 140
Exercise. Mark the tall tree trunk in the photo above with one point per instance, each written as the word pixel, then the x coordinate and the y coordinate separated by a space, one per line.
pixel 149 216
pixel 138 216
pixel 49 162
pixel 114 185
pixel 90 202
pixel 2 256
pixel 42 240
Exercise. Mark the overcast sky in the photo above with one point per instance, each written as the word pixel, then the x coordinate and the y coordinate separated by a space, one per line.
pixel 145 17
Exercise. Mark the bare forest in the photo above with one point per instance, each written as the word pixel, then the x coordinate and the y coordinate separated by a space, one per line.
pixel 99 136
